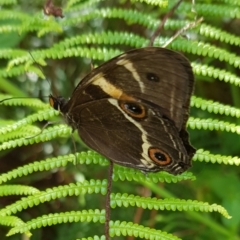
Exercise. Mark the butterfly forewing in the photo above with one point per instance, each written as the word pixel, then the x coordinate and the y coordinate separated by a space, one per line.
pixel 156 75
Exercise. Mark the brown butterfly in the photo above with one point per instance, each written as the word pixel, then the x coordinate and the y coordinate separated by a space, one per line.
pixel 133 109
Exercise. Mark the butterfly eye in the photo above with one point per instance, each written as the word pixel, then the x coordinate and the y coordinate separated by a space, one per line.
pixel 53 103
pixel 152 77
pixel 133 109
pixel 56 102
pixel 158 156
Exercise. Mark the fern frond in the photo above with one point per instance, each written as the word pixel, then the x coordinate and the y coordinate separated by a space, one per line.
pixel 205 156
pixel 49 27
pixel 213 124
pixel 76 5
pixel 205 49
pixel 19 70
pixel 15 15
pixel 170 204
pixel 92 186
pixel 222 75
pixel 9 29
pixel 109 37
pixel 123 173
pixel 6 190
pixel 8 2
pixel 39 116
pixel 88 157
pixel 42 165
pixel 103 237
pixel 91 157
pixel 24 132
pixel 11 53
pixel 118 228
pixel 218 34
pixel 29 23
pixel 93 53
pixel 161 3
pixel 129 15
pixel 46 135
pixel 12 221
pixel 29 102
pixel 213 10
pixel 58 218
pixel 233 2
pixel 214 107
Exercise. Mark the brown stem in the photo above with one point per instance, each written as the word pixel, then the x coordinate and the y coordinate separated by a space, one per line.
pixel 161 25
pixel 108 207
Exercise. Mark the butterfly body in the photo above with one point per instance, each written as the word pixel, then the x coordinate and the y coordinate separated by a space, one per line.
pixel 134 108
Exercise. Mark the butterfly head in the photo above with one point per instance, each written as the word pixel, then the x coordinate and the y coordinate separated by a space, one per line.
pixel 57 102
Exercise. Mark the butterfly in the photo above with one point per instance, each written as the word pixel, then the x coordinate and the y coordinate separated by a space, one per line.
pixel 133 109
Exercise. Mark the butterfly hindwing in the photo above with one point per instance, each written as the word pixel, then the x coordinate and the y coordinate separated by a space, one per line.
pixel 109 128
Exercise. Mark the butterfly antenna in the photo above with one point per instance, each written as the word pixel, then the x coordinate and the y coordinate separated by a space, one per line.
pixel 161 25
pixel 40 67
pixel 108 199
pixel 42 129
pixel 7 99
